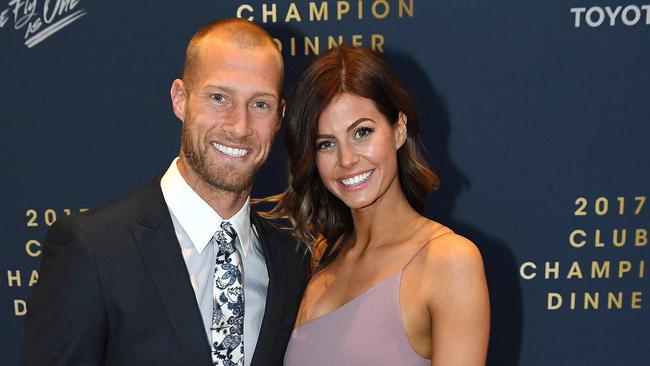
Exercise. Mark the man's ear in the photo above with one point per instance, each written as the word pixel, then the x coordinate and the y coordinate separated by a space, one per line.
pixel 283 107
pixel 400 130
pixel 179 98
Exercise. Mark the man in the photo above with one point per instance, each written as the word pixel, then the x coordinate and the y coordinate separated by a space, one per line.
pixel 175 272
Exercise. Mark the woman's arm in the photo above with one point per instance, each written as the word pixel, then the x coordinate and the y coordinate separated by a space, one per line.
pixel 458 303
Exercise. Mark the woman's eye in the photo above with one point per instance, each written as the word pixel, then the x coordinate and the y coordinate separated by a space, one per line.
pixel 324 145
pixel 363 132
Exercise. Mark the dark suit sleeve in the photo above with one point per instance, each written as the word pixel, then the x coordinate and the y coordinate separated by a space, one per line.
pixel 66 316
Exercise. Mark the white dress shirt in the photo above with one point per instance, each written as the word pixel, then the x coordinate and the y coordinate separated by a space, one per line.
pixel 195 222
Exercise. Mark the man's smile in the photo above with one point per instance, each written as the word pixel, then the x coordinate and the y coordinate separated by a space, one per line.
pixel 230 151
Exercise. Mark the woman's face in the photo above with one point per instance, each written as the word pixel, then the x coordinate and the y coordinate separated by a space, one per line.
pixel 356 150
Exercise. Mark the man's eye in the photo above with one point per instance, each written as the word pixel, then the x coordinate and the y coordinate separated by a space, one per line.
pixel 363 132
pixel 218 97
pixel 324 145
pixel 260 104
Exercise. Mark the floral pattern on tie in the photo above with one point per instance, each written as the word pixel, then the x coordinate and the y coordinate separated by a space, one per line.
pixel 228 300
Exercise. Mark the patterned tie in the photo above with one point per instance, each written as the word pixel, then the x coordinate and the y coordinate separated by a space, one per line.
pixel 228 300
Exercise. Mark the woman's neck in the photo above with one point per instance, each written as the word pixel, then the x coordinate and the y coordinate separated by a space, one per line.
pixel 387 219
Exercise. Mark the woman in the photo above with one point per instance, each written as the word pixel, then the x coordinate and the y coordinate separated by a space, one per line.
pixel 390 286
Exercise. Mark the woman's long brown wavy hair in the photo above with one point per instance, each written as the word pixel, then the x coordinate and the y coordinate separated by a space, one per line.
pixel 315 214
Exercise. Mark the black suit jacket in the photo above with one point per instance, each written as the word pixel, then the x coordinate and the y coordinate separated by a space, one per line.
pixel 114 289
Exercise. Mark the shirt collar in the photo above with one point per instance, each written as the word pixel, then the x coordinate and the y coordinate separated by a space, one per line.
pixel 198 219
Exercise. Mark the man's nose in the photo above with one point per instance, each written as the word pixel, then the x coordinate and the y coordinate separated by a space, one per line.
pixel 238 123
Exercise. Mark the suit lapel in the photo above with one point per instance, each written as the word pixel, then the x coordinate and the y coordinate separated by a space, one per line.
pixel 275 296
pixel 159 247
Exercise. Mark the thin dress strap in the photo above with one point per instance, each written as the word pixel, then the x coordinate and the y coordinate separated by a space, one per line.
pixel 424 246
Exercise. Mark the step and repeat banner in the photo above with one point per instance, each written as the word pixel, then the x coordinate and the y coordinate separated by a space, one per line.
pixel 534 113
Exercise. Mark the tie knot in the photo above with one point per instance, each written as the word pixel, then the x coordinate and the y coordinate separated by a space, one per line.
pixel 228 229
pixel 225 239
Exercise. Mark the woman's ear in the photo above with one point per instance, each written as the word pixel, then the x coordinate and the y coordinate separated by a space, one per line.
pixel 400 130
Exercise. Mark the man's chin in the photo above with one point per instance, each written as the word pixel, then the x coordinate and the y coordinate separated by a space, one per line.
pixel 230 180
pixel 222 174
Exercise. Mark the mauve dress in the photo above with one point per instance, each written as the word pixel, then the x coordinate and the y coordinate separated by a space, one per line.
pixel 368 330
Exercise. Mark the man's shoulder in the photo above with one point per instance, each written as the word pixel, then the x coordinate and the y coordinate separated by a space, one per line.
pixel 121 211
pixel 271 228
pixel 282 245
pixel 278 233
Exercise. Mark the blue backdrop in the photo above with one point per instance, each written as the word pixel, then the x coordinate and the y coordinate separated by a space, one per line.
pixel 534 113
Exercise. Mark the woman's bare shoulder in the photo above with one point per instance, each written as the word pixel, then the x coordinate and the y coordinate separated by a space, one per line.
pixel 448 254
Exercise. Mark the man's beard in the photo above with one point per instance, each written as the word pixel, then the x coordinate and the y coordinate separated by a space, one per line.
pixel 222 176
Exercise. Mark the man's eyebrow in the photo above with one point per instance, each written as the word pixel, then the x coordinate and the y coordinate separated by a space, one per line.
pixel 232 90
pixel 220 87
pixel 266 94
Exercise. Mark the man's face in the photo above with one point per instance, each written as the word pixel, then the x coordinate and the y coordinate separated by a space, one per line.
pixel 230 110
